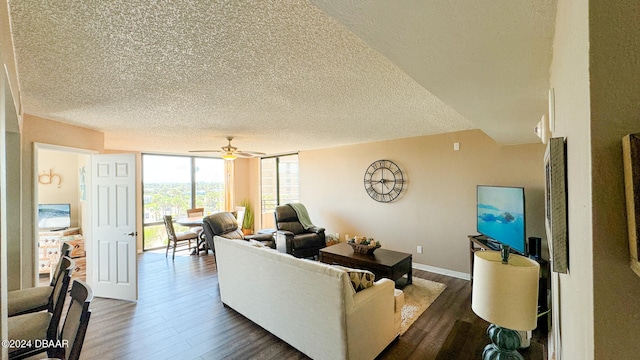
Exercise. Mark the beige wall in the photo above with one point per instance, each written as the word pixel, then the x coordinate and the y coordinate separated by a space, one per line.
pixel 36 129
pixel 64 188
pixel 246 185
pixel 438 208
pixel 615 111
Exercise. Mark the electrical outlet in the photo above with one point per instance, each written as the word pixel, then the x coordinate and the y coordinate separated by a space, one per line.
pixel 419 250
pixel 456 146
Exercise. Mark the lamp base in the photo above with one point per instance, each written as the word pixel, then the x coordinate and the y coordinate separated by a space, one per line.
pixel 504 343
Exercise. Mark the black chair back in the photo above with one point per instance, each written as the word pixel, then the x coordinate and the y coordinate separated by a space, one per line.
pixel 59 294
pixel 75 324
pixel 221 224
pixel 287 219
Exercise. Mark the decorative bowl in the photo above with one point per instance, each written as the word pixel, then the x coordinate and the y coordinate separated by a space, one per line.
pixel 363 249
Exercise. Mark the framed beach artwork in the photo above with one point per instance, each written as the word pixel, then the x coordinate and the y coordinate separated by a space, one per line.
pixel 555 169
pixel 631 158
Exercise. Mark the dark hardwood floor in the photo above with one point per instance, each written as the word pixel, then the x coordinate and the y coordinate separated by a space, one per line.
pixel 179 315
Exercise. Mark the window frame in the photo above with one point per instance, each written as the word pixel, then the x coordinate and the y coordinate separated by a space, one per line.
pixel 277 174
pixel 192 179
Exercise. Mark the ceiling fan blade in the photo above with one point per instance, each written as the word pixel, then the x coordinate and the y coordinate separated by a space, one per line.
pixel 201 151
pixel 243 154
pixel 253 153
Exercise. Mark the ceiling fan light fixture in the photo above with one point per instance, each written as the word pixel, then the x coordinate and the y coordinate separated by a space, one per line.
pixel 229 156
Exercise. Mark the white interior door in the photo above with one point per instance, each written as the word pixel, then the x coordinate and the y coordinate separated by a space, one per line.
pixel 113 218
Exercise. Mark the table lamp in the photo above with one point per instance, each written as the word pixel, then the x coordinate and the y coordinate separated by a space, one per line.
pixel 505 293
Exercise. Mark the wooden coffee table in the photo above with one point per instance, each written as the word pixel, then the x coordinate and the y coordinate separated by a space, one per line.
pixel 382 263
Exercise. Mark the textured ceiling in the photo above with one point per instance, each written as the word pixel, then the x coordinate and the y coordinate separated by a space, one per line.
pixel 278 75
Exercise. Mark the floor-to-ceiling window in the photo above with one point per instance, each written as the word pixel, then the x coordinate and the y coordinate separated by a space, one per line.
pixel 173 184
pixel 280 184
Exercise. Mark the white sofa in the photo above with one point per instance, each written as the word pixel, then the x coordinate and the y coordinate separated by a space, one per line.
pixel 310 305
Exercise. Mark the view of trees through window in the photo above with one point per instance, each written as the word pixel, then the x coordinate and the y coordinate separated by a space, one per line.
pixel 280 184
pixel 173 184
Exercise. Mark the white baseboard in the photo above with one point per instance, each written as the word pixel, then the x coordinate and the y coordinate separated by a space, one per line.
pixel 441 271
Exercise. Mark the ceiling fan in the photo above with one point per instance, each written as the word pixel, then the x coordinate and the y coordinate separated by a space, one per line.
pixel 231 152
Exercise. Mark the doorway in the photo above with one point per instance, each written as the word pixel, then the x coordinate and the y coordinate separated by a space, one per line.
pixel 63 180
pixel 59 189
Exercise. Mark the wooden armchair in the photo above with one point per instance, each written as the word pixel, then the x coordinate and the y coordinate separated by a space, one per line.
pixel 175 238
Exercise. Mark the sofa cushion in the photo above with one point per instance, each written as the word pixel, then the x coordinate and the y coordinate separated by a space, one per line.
pixel 360 279
pixel 29 298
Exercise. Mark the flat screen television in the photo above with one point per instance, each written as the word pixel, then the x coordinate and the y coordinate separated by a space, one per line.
pixel 54 216
pixel 500 215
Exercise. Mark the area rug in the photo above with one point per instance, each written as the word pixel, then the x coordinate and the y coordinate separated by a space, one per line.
pixel 417 298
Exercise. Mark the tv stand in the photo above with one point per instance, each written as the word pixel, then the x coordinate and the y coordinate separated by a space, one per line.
pixel 486 243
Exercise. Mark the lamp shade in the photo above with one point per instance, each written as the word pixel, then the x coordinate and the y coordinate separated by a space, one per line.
pixel 505 294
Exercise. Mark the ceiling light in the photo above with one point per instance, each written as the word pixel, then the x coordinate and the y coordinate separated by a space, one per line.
pixel 229 156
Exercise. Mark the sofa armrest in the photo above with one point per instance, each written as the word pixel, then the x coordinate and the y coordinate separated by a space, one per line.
pixel 371 324
pixel 381 289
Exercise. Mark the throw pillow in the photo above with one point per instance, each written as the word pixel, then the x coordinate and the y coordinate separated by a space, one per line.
pixel 360 279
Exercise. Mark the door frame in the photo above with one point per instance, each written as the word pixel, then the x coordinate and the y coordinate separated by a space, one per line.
pixel 86 220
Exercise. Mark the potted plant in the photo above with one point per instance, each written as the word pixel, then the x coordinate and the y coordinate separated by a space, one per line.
pixel 247 223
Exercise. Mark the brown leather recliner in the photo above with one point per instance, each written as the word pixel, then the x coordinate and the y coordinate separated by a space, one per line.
pixel 293 238
pixel 225 224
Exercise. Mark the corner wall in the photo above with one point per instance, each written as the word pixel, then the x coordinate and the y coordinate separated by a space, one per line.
pixel 438 208
pixel 572 331
pixel 36 129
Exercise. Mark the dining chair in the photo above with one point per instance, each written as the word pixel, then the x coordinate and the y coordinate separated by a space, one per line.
pixel 36 298
pixel 35 327
pixel 198 212
pixel 195 212
pixel 175 238
pixel 75 323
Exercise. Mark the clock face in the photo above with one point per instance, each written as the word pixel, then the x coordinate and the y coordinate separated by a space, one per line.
pixel 383 181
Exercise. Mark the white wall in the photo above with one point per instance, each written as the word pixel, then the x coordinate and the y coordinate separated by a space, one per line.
pixel 570 80
pixel 438 209
pixel 596 78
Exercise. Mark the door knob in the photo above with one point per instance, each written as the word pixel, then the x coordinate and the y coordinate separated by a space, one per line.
pixel 133 233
